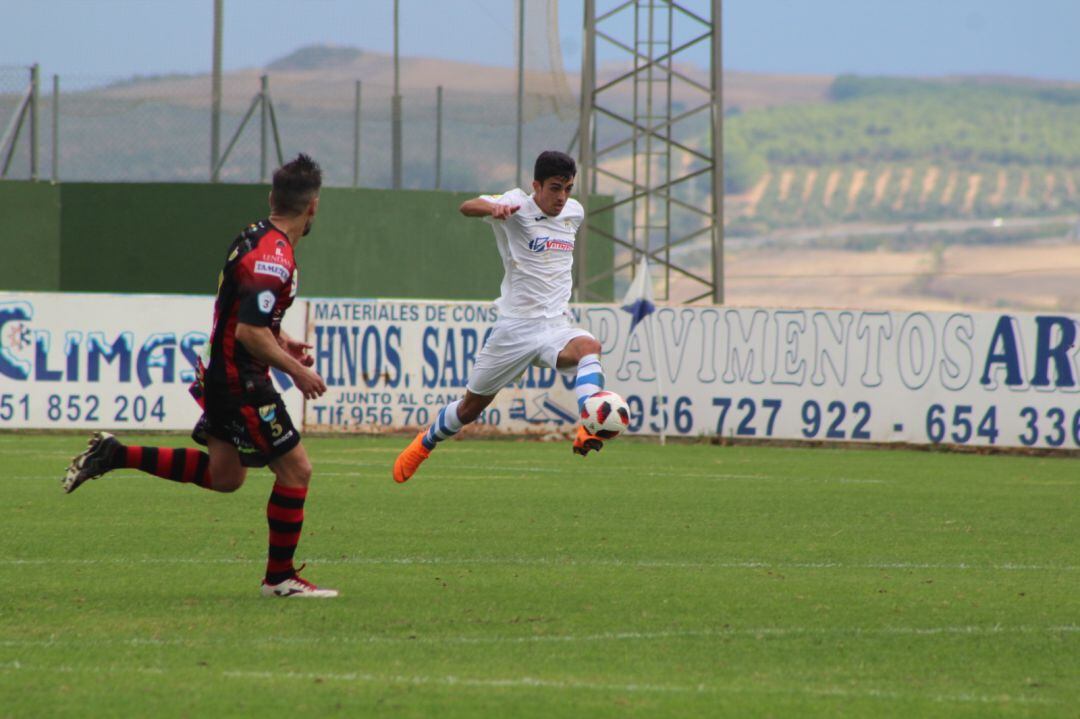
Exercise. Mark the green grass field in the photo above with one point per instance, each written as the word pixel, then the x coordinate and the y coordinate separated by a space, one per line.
pixel 511 579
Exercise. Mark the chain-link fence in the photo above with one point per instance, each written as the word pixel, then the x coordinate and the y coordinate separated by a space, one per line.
pixel 19 158
pixel 840 191
pixel 158 129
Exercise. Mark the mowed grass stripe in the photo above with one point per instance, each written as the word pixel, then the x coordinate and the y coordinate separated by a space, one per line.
pixel 554 562
pixel 67 642
pixel 452 681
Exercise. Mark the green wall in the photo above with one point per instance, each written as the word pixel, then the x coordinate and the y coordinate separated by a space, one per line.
pixel 162 238
pixel 405 244
pixel 30 242
pixel 172 238
pixel 382 243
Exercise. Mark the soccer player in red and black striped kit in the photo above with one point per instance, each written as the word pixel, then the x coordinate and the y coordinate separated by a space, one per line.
pixel 245 423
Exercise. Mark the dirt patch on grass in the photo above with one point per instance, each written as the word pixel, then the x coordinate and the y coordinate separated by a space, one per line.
pixel 857 182
pixel 1048 190
pixel 999 192
pixel 905 186
pixel 974 180
pixel 929 182
pixel 831 184
pixel 880 185
pixel 787 177
pixel 808 185
pixel 753 198
pixel 1025 186
pixel 950 188
pixel 1070 184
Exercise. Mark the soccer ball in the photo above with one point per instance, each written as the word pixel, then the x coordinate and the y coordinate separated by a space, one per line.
pixel 605 415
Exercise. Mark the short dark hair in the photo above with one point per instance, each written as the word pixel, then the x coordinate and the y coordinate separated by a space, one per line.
pixel 552 163
pixel 296 183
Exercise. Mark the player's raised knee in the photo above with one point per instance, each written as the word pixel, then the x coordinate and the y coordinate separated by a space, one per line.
pixel 590 346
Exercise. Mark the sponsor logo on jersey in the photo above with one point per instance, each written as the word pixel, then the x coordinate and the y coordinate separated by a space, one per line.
pixel 543 244
pixel 266 301
pixel 273 269
pixel 538 218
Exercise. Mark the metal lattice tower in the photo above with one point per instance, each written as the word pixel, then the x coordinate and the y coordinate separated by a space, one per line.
pixel 653 140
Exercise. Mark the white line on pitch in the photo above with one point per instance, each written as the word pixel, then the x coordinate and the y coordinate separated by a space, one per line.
pixel 547 562
pixel 447 473
pixel 569 684
pixel 369 471
pixel 993 630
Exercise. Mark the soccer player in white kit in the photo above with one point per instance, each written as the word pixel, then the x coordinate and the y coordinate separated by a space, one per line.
pixel 535 236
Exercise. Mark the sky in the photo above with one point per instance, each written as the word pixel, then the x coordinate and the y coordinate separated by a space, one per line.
pixel 119 38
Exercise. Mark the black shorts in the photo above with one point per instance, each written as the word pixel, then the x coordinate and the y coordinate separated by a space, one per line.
pixel 260 432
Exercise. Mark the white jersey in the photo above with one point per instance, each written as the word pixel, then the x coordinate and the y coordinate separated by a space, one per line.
pixel 538 256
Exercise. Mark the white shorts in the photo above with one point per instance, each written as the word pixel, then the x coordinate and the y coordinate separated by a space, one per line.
pixel 514 345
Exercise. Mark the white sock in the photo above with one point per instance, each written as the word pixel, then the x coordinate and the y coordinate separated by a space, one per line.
pixel 590 378
pixel 446 425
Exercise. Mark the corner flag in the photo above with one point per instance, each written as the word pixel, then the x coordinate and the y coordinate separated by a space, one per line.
pixel 639 303
pixel 639 298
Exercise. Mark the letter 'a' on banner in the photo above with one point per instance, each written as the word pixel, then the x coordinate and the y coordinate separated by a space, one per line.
pixel 638 301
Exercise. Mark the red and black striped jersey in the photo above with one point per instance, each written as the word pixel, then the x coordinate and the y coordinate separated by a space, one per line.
pixel 256 286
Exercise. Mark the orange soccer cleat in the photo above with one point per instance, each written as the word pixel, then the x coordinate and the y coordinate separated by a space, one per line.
pixel 410 459
pixel 584 442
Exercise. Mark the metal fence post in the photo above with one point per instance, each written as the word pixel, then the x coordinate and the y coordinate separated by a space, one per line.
pixel 395 119
pixel 395 111
pixel 718 151
pixel 215 94
pixel 520 91
pixel 35 87
pixel 356 139
pixel 585 160
pixel 56 128
pixel 264 84
pixel 438 137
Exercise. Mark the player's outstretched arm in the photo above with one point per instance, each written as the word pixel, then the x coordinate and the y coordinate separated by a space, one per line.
pixel 261 343
pixel 479 207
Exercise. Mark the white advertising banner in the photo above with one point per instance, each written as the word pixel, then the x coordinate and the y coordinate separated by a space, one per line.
pixel 986 379
pixel 99 361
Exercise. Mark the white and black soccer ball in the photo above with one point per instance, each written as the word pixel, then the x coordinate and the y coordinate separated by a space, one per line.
pixel 605 415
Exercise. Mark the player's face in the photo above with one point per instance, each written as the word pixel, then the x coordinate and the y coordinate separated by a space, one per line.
pixel 551 196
